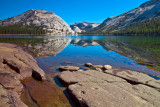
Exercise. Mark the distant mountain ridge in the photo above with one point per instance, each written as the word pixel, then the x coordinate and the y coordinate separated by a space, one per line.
pixel 148 10
pixel 83 26
pixel 49 21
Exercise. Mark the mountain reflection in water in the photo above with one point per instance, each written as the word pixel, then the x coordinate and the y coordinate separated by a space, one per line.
pixel 135 53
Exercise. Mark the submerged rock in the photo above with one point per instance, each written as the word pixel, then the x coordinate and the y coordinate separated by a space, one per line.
pixel 44 94
pixel 97 66
pixel 15 66
pixel 68 68
pixel 112 88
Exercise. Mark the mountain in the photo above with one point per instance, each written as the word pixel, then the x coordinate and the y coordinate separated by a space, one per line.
pixel 83 27
pixel 48 21
pixel 148 27
pixel 147 11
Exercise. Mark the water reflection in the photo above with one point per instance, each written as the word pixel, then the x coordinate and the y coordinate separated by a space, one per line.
pixel 48 47
pixel 84 43
pixel 144 50
pixel 116 51
pixel 39 47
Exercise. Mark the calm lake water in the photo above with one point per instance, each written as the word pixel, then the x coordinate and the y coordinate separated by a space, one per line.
pixel 134 53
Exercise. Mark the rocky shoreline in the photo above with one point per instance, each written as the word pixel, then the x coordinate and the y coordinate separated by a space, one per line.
pixel 107 87
pixel 24 84
pixel 15 66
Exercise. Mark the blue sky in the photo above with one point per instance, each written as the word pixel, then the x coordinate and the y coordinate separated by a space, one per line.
pixel 71 10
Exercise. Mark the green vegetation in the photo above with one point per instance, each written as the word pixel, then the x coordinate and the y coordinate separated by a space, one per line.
pixel 146 43
pixel 144 50
pixel 19 29
pixel 149 27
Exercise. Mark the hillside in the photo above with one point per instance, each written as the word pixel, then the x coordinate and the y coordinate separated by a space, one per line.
pixel 147 11
pixel 36 20
pixel 151 26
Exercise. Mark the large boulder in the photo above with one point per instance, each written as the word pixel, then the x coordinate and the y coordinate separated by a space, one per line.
pixel 19 61
pixel 112 88
pixel 15 66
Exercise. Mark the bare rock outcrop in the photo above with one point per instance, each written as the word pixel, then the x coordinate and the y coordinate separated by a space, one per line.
pixel 112 88
pixel 49 21
pixel 15 66
pixel 83 26
pixel 146 11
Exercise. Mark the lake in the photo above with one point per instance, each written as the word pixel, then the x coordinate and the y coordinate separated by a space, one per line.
pixel 141 54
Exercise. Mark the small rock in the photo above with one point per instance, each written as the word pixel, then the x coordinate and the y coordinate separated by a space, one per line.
pixel 107 67
pixel 98 69
pixel 97 66
pixel 88 64
pixel 81 70
pixel 68 68
pixel 86 68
